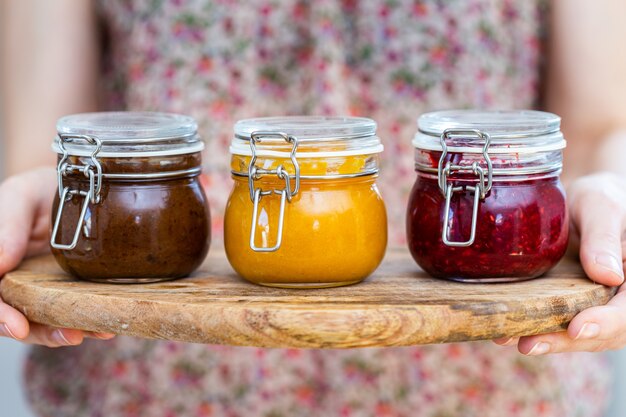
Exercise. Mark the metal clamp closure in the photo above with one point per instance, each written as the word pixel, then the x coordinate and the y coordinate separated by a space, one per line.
pixel 286 193
pixel 92 171
pixel 445 168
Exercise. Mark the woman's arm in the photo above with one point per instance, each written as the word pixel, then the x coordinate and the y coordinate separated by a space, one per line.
pixel 49 56
pixel 586 85
pixel 49 68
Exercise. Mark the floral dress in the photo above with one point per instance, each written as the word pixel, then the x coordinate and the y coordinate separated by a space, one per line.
pixel 391 60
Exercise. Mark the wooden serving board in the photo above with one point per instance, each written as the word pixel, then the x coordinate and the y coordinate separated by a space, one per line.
pixel 399 305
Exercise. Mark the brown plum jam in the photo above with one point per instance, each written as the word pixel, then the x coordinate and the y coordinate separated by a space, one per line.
pixel 130 207
pixel 488 205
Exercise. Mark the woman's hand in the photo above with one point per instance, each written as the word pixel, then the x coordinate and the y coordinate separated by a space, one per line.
pixel 25 203
pixel 597 206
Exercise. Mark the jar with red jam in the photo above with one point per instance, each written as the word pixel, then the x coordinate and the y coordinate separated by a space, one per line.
pixel 488 204
pixel 130 207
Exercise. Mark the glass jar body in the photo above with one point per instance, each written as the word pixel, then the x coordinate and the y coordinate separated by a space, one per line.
pixel 521 229
pixel 142 230
pixel 334 233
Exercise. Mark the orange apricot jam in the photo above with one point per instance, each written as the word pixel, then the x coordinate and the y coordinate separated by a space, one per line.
pixel 311 222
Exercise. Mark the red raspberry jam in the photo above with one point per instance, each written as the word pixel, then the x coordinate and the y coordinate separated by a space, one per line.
pixel 506 165
pixel 521 229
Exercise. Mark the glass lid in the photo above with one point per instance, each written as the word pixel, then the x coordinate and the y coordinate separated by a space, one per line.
pixel 127 134
pixel 316 136
pixel 508 131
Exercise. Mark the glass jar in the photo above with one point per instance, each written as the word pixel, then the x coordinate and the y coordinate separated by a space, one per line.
pixel 488 205
pixel 305 211
pixel 130 207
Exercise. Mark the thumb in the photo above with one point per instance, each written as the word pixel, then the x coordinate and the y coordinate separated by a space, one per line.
pixel 598 216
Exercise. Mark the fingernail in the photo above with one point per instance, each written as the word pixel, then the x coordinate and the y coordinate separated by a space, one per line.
pixel 588 331
pixel 60 338
pixel 540 348
pixel 103 336
pixel 6 332
pixel 611 263
pixel 503 342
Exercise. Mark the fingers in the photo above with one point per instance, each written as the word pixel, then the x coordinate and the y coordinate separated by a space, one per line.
pixel 606 322
pixel 506 341
pixel 594 329
pixel 560 342
pixel 16 217
pixel 51 337
pixel 42 335
pixel 12 323
pixel 99 336
pixel 598 214
pixel 25 203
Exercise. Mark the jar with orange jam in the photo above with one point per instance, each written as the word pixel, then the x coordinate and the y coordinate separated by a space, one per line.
pixel 305 211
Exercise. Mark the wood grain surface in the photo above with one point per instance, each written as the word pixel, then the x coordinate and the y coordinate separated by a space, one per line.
pixel 398 306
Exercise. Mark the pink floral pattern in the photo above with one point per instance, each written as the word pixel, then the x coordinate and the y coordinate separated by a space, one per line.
pixel 128 377
pixel 224 60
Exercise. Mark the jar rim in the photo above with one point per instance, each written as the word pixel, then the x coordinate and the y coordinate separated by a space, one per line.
pixel 127 134
pixel 316 136
pixel 522 131
pixel 496 122
pixel 309 128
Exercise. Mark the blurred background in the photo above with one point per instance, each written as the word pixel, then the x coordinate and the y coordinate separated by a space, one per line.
pixel 13 404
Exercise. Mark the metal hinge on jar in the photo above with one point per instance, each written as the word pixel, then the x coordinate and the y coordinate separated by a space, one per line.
pixel 286 193
pixel 92 171
pixel 480 190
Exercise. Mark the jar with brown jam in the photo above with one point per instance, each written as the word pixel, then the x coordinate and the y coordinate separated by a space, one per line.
pixel 130 207
pixel 488 205
pixel 305 211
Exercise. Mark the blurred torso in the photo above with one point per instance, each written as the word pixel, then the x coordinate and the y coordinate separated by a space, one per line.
pixel 220 61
